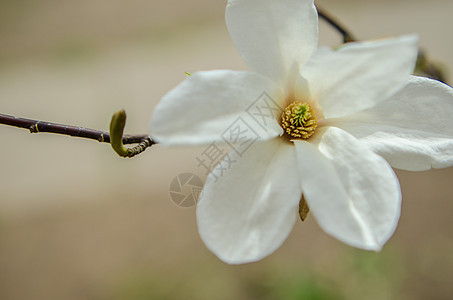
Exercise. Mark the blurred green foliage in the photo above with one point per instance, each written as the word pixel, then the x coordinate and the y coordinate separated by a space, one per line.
pixel 356 275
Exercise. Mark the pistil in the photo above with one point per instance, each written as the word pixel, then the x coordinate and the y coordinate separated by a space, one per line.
pixel 299 120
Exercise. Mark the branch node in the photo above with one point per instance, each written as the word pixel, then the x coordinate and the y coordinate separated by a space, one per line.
pixel 34 128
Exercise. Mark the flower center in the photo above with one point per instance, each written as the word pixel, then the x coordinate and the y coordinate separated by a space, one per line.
pixel 299 121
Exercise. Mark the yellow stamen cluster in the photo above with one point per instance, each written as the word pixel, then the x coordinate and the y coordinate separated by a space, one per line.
pixel 299 120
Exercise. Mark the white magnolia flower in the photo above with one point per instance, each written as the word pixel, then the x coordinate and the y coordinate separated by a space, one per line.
pixel 369 111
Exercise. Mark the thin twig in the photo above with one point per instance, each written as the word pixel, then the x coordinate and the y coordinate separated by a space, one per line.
pixel 41 126
pixel 347 36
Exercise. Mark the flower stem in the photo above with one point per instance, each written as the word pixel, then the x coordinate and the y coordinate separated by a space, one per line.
pixel 347 36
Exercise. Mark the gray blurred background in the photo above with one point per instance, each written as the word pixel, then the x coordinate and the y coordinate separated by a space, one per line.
pixel 78 222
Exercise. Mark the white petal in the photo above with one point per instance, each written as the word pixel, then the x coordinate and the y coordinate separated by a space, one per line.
pixel 250 210
pixel 413 130
pixel 203 107
pixel 275 37
pixel 358 75
pixel 352 192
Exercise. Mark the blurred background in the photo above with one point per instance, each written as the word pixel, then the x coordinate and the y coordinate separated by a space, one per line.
pixel 78 222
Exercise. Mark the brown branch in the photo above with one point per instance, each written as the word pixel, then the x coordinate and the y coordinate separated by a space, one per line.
pixel 347 36
pixel 41 126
